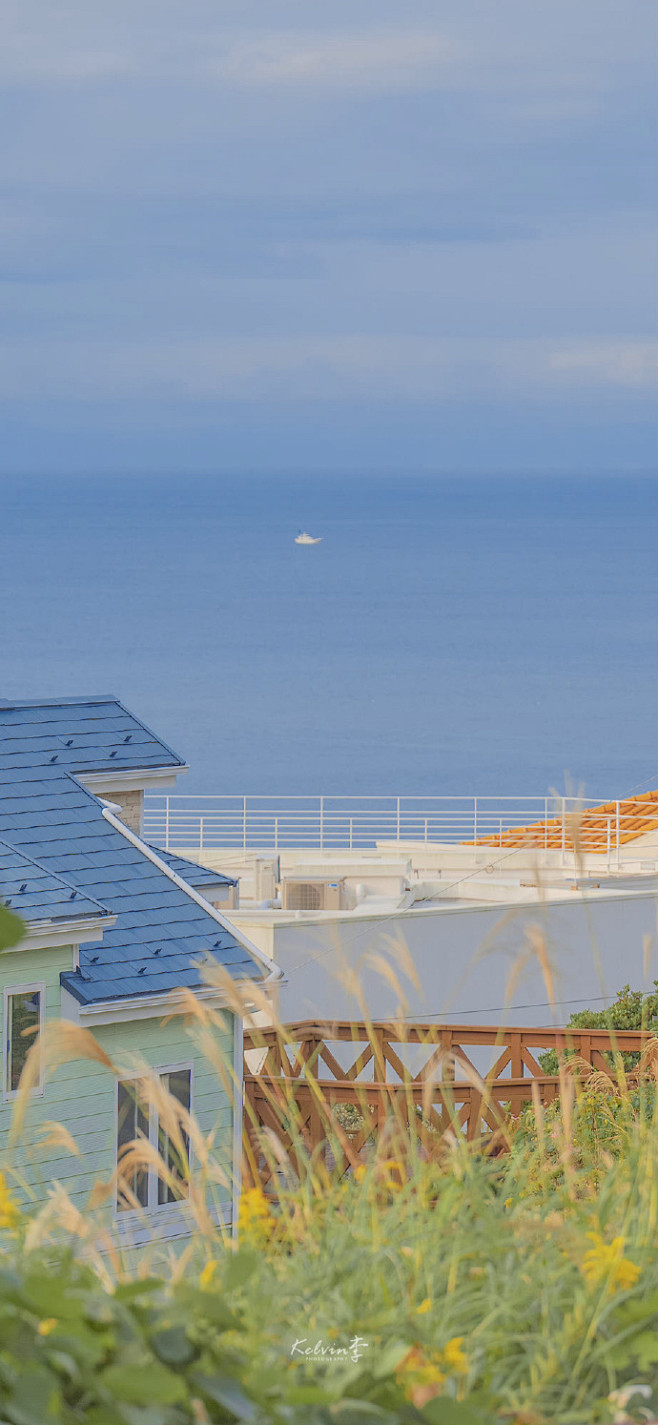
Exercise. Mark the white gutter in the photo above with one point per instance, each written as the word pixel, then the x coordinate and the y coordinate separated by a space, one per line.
pixel 274 973
pixel 167 999
pixel 146 1006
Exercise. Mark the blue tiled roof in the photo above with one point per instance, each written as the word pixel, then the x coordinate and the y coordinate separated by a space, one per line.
pixel 195 875
pixel 36 894
pixel 48 816
pixel 90 735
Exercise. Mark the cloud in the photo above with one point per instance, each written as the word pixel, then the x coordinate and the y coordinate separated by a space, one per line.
pixel 375 60
pixel 633 363
pixel 79 45
pixel 37 52
pixel 349 367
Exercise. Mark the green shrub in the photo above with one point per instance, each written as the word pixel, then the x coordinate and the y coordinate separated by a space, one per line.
pixel 632 1009
pixel 520 1289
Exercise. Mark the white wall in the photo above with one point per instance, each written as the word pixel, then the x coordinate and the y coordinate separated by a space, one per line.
pixel 464 959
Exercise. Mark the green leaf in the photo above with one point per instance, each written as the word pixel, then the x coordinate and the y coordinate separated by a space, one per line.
pixel 152 1415
pixel 225 1391
pixel 211 1306
pixel 308 1395
pixel 142 1385
pixel 35 1399
pixel 12 928
pixel 64 1365
pixel 445 1411
pixel 132 1415
pixel 173 1346
pixel 348 1410
pixel 98 1312
pixel 241 1266
pixel 46 1296
pixel 645 1349
pixel 637 1308
pixel 127 1291
pixel 384 1362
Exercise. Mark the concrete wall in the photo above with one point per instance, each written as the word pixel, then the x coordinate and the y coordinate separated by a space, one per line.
pixel 469 963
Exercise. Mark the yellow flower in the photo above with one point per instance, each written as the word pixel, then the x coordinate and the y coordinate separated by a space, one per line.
pixel 421 1375
pixel 509 1201
pixel 424 1306
pixel 394 1176
pixel 45 1327
pixel 9 1213
pixel 255 1219
pixel 454 1357
pixel 208 1273
pixel 605 1264
pixel 388 1176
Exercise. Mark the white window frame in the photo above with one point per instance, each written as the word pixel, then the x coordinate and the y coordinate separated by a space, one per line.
pixel 153 1207
pixel 33 987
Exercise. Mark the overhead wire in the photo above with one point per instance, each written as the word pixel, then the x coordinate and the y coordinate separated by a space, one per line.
pixel 505 1008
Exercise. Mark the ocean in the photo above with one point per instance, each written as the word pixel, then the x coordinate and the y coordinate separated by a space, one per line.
pixel 471 635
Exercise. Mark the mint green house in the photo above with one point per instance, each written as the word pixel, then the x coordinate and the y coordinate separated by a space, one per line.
pixel 115 934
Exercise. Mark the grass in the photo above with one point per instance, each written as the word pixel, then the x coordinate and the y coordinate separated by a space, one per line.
pixel 432 1282
pixel 522 1287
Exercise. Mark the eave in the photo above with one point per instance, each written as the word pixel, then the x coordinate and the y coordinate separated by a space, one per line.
pixel 48 934
pixel 147 1006
pixel 131 779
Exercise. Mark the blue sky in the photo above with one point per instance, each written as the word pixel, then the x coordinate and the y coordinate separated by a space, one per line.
pixel 360 236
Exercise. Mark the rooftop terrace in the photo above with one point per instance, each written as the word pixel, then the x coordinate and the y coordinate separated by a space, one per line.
pixel 564 825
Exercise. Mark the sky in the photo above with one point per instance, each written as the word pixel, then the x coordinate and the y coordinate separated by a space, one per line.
pixel 290 236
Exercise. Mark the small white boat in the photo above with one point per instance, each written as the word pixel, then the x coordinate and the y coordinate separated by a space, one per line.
pixel 307 539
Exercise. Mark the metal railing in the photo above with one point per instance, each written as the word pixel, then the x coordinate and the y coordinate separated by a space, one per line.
pixel 358 823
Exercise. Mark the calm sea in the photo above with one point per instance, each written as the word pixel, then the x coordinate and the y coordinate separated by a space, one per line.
pixel 474 635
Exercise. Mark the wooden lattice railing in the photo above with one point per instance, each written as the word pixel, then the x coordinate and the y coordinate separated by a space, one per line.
pixel 295 1078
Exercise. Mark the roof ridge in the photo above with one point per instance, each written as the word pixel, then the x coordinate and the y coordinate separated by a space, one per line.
pixel 258 956
pixel 58 702
pixel 193 865
pixel 181 760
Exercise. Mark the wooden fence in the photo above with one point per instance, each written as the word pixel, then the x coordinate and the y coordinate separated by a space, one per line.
pixel 442 1076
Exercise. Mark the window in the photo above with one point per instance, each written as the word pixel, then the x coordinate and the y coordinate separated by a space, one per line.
pixel 132 1122
pixel 178 1083
pixel 136 1119
pixel 23 1018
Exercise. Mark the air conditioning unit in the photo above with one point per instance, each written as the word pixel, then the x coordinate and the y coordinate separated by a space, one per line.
pixel 312 895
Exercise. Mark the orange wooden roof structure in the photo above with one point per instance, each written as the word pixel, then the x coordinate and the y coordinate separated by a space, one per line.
pixel 594 829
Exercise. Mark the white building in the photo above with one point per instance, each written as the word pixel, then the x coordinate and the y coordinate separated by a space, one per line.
pixel 498 909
